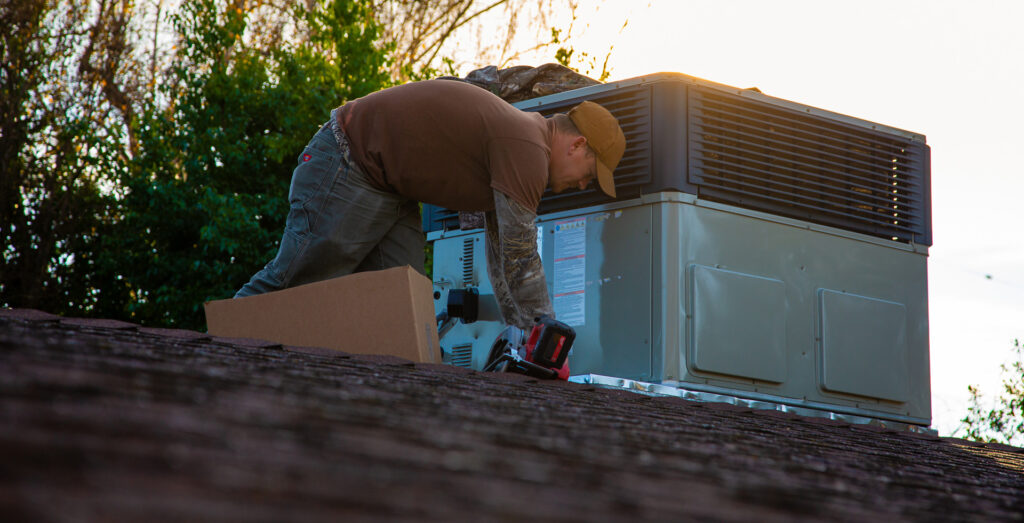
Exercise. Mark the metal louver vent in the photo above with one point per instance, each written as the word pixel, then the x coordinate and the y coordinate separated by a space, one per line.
pixel 770 158
pixel 752 152
pixel 462 355
pixel 467 263
pixel 632 108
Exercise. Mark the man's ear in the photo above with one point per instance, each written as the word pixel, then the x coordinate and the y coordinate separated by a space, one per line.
pixel 579 141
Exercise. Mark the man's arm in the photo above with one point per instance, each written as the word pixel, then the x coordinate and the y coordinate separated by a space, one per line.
pixel 513 263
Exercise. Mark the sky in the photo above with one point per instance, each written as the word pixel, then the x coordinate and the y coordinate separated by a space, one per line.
pixel 948 70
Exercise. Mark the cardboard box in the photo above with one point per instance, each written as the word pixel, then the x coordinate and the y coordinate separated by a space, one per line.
pixel 380 312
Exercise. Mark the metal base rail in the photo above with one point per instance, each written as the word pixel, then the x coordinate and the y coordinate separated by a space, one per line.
pixel 754 401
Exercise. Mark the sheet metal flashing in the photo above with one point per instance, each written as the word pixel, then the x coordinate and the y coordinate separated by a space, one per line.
pixel 711 394
pixel 746 93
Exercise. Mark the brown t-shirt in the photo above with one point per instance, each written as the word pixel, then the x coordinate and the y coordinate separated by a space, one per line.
pixel 450 144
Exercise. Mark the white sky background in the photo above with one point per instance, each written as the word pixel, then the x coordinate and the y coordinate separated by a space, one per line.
pixel 946 69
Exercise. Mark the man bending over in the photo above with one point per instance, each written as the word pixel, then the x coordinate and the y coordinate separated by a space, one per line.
pixel 354 195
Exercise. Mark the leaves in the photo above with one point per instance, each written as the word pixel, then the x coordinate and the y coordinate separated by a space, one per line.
pixel 207 193
pixel 145 156
pixel 58 149
pixel 1003 423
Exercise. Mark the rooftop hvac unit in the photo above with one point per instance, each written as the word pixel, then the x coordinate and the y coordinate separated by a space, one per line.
pixel 759 249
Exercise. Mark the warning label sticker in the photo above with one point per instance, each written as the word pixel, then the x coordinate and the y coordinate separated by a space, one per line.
pixel 570 271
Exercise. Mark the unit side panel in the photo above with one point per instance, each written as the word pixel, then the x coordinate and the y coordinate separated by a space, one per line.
pixel 740 254
pixel 610 305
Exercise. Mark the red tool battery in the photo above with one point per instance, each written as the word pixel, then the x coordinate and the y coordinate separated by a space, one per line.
pixel 549 344
pixel 543 355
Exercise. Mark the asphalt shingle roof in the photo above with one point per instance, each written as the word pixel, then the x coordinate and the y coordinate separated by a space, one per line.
pixel 106 420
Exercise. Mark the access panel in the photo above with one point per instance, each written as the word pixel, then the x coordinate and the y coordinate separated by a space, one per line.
pixel 599 274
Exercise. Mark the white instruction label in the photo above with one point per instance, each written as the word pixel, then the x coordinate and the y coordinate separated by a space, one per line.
pixel 570 271
pixel 540 241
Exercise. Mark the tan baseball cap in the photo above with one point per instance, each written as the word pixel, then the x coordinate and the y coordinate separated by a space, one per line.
pixel 604 136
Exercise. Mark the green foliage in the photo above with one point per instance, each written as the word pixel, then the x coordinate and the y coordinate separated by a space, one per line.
pixel 1004 423
pixel 347 30
pixel 563 56
pixel 206 197
pixel 137 191
pixel 584 63
pixel 54 157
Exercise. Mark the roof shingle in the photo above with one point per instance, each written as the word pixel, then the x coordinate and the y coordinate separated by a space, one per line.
pixel 108 420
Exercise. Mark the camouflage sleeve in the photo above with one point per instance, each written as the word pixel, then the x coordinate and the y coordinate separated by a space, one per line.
pixel 513 263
